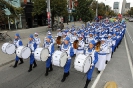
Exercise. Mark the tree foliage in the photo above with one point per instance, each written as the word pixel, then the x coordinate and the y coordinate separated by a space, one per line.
pixel 58 7
pixel 130 12
pixel 103 10
pixel 39 7
pixel 84 11
pixel 14 11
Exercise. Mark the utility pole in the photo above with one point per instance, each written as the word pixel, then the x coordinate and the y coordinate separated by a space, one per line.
pixel 49 13
pixel 97 8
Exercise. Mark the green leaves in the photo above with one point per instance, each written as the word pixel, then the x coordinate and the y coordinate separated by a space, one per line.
pixel 39 7
pixel 84 11
pixel 58 7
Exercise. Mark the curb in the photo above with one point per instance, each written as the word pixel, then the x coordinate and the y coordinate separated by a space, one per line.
pixel 6 63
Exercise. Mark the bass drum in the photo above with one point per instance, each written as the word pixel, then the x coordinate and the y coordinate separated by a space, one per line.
pixel 41 54
pixel 59 58
pixel 82 63
pixel 8 48
pixel 23 52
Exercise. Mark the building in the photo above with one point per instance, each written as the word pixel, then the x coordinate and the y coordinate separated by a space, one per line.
pixel 127 7
pixel 116 7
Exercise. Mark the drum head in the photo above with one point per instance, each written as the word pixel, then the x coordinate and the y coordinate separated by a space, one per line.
pixel 26 52
pixel 37 54
pixel 44 54
pixel 10 49
pixel 87 64
pixel 4 47
pixel 63 59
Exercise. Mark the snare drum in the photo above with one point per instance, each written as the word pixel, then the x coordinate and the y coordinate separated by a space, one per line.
pixel 41 54
pixel 23 52
pixel 59 58
pixel 8 48
pixel 82 63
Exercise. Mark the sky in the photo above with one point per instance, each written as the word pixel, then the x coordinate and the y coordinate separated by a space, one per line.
pixel 110 2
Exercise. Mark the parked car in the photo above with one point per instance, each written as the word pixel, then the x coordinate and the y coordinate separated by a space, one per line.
pixel 131 20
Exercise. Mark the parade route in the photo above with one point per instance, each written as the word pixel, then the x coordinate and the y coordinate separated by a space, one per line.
pixel 118 69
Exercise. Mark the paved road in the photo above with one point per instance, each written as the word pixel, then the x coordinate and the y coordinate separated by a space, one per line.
pixel 117 70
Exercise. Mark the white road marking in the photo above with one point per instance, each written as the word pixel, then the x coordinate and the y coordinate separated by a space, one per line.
pixel 129 58
pixel 129 34
pixel 97 79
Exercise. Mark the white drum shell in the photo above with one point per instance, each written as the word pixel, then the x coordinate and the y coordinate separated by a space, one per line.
pixel 37 54
pixel 82 63
pixel 41 54
pixel 59 58
pixel 23 52
pixel 8 48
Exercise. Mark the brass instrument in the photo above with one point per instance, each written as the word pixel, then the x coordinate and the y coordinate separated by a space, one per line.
pixel 75 44
pixel 58 40
pixel 97 47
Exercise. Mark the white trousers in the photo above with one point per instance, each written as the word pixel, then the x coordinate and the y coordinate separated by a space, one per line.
pixel 101 62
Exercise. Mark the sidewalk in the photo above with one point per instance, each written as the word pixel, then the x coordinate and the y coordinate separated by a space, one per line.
pixel 24 33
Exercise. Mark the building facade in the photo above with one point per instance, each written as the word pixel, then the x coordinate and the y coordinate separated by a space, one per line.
pixel 116 7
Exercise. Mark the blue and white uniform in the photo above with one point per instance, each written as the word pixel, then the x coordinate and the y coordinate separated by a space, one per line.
pixel 81 45
pixel 17 43
pixel 32 45
pixel 67 48
pixel 50 47
pixel 102 56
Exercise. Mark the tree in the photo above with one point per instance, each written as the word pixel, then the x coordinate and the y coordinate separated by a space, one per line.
pixel 84 11
pixel 58 8
pixel 39 7
pixel 14 11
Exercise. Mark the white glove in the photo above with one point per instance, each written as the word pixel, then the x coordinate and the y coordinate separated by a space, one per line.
pixel 92 64
pixel 68 56
pixel 32 52
pixel 49 55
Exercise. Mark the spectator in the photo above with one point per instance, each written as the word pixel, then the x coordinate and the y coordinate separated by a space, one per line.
pixel 61 25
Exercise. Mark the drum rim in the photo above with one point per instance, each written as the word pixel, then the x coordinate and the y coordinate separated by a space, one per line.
pixel 90 63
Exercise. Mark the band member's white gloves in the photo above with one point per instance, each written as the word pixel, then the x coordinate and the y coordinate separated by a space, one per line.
pixel 68 56
pixel 49 55
pixel 32 52
pixel 92 64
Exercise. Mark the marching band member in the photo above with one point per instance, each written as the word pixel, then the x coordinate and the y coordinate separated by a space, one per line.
pixel 102 56
pixel 91 51
pixel 32 45
pixel 81 45
pixel 109 43
pixel 89 38
pixel 48 44
pixel 66 47
pixel 52 39
pixel 17 43
pixel 74 37
pixel 37 40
